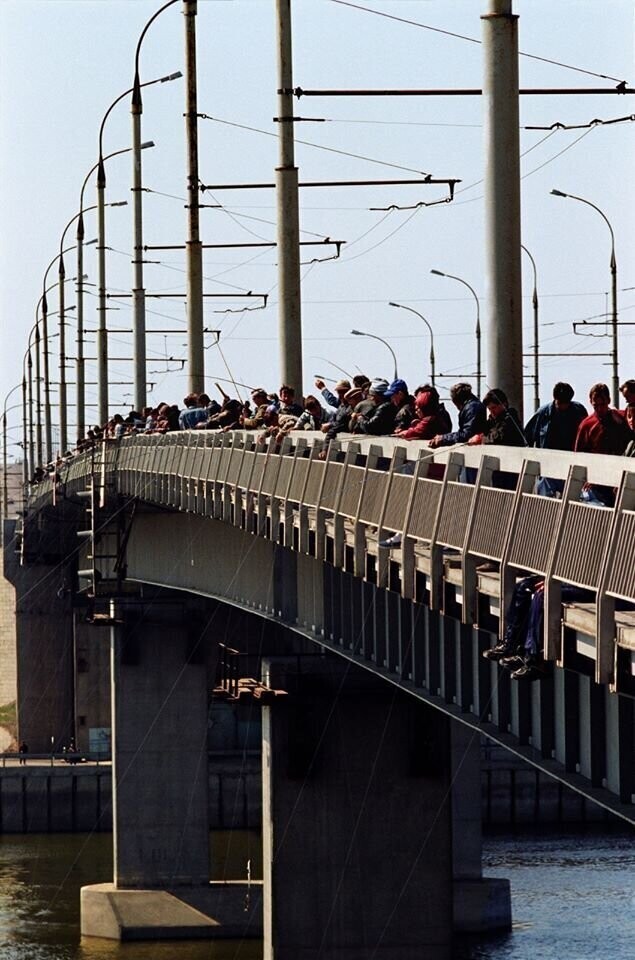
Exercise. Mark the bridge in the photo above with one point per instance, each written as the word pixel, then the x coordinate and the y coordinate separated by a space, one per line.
pixel 373 689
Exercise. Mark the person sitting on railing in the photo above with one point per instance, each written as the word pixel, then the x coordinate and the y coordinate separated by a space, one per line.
pixel 519 650
pixel 472 417
pixel 377 420
pixel 554 426
pixel 431 417
pixel 605 431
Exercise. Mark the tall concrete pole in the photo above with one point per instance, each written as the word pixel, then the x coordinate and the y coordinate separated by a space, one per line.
pixel 38 395
pixel 138 290
pixel 194 249
pixel 48 433
pixel 502 200
pixel 5 479
pixel 29 364
pixel 25 459
pixel 102 336
pixel 62 357
pixel 80 380
pixel 289 305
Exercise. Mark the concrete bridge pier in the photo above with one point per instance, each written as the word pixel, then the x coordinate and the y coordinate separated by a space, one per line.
pixel 161 887
pixel 362 781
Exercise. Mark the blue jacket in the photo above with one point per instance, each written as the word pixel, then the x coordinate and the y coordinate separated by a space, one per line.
pixel 553 429
pixel 472 420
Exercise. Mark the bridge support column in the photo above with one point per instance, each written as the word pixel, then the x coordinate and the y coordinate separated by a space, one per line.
pixel 357 818
pixel 481 903
pixel 161 887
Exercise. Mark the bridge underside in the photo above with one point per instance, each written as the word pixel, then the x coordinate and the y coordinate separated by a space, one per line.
pixel 566 725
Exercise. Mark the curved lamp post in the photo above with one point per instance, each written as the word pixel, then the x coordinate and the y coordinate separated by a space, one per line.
pixel 5 484
pixel 479 371
pixel 421 317
pixel 360 333
pixel 102 339
pixel 613 268
pixel 138 290
pixel 534 301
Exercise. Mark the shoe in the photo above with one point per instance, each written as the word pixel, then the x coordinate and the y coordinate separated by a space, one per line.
pixel 498 652
pixel 488 567
pixel 513 662
pixel 528 671
pixel 391 543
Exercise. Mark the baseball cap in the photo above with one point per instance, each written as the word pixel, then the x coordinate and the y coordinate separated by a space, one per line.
pixel 396 386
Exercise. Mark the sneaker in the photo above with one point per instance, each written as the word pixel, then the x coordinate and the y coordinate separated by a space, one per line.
pixel 528 671
pixel 391 543
pixel 513 662
pixel 498 652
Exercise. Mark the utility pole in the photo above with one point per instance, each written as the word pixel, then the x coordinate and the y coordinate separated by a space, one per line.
pixel 38 395
pixel 25 459
pixel 194 258
pixel 102 336
pixel 62 356
pixel 502 200
pixel 289 309
pixel 48 433
pixel 138 290
pixel 80 388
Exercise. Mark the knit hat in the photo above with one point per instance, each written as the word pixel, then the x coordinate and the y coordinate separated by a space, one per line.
pixel 378 388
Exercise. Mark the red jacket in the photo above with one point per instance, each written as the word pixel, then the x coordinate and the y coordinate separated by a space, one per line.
pixel 607 435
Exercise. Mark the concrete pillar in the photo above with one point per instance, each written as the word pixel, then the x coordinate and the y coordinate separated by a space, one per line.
pixel 40 602
pixel 159 748
pixel 92 686
pixel 357 823
pixel 161 887
pixel 481 904
pixel 502 201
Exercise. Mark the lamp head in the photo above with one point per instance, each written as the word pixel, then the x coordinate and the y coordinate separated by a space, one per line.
pixel 558 193
pixel 438 273
pixel 171 76
pixel 147 144
pixel 391 304
pixel 358 333
pixel 118 203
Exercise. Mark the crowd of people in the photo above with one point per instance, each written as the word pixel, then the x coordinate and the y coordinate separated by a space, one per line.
pixel 378 408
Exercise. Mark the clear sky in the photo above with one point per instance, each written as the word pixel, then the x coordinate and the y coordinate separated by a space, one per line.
pixel 62 62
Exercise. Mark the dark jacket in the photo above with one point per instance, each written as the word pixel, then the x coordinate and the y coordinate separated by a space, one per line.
pixel 340 422
pixel 554 429
pixel 505 430
pixel 405 414
pixel 381 423
pixel 472 419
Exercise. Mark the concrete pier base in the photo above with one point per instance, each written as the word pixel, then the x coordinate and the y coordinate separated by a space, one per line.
pixel 357 823
pixel 224 911
pixel 482 906
pixel 161 887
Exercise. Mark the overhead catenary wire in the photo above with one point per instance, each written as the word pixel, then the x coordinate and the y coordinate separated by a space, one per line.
pixel 460 36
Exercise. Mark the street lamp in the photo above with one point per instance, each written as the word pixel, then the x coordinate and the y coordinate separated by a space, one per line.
pixel 80 285
pixel 534 301
pixel 138 290
pixel 102 340
pixel 5 485
pixel 613 268
pixel 451 276
pixel 360 333
pixel 420 315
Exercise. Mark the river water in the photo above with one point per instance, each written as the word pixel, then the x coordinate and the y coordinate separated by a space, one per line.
pixel 573 899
